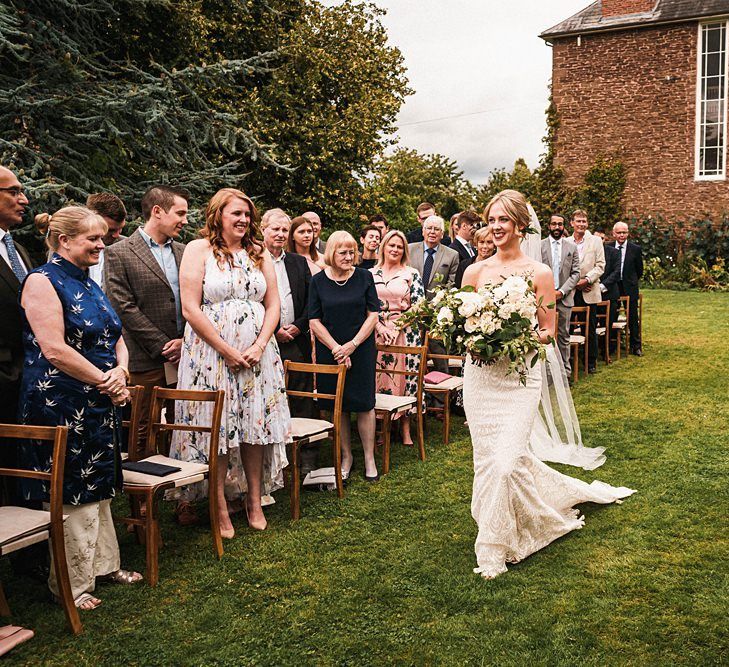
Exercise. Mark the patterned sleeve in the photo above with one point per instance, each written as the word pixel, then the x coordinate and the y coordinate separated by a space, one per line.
pixel 417 291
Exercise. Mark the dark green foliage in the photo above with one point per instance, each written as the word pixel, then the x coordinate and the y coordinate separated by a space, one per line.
pixel 602 194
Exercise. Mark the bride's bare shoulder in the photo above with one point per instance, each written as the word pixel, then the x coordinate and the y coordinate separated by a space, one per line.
pixel 540 270
pixel 475 274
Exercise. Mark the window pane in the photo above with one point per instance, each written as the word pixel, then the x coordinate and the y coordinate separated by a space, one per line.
pixel 711 161
pixel 711 116
pixel 713 40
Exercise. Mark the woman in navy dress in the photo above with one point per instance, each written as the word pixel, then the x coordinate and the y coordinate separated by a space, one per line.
pixel 343 311
pixel 75 374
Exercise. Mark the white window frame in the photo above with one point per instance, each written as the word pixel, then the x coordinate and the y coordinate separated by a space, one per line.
pixel 699 120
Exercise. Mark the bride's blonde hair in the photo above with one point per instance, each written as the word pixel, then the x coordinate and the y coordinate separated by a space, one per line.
pixel 515 205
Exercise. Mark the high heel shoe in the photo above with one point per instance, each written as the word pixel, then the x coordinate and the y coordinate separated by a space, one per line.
pixel 256 526
pixel 227 534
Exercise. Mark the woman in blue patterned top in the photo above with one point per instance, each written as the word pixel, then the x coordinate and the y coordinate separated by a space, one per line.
pixel 75 374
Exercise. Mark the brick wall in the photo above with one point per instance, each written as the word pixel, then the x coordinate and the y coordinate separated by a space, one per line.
pixel 620 7
pixel 632 94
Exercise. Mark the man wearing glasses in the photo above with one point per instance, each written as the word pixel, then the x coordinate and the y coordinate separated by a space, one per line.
pixel 424 211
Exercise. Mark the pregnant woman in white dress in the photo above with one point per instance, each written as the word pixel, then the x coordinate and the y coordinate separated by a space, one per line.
pixel 519 503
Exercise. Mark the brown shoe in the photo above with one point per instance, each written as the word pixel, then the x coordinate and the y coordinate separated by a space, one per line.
pixel 185 514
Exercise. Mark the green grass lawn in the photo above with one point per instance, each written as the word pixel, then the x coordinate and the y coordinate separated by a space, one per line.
pixel 385 576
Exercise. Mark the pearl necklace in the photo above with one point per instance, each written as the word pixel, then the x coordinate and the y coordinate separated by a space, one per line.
pixel 340 283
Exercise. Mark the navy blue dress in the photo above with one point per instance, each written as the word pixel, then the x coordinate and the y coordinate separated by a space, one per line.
pixel 49 397
pixel 343 309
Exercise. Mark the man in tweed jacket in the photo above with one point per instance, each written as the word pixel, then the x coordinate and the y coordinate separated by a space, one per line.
pixel 141 278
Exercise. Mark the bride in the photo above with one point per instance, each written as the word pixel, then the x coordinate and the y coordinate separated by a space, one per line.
pixel 519 503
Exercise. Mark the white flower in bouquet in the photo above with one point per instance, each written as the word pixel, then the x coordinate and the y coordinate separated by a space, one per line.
pixel 472 324
pixel 438 297
pixel 506 309
pixel 515 285
pixel 470 303
pixel 488 323
pixel 445 316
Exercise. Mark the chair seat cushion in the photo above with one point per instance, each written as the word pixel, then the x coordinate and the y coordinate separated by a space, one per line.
pixel 302 427
pixel 20 527
pixel 190 473
pixel 600 331
pixel 446 385
pixel 619 325
pixel 577 340
pixel 390 403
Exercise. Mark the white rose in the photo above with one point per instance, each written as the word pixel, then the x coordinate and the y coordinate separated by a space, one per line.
pixel 445 315
pixel 438 297
pixel 500 293
pixel 472 324
pixel 470 303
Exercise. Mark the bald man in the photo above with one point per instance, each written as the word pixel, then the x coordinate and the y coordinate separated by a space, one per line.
pixel 315 221
pixel 631 271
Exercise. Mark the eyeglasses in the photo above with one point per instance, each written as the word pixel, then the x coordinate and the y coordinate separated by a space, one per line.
pixel 345 253
pixel 16 191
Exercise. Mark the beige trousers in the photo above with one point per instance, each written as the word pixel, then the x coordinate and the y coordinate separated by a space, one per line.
pixel 92 549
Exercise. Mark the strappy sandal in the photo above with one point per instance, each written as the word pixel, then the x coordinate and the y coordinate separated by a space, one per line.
pixel 125 577
pixel 81 600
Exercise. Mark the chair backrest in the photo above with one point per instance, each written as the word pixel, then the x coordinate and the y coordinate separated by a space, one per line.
pixel 581 318
pixel 161 395
pixel 602 312
pixel 430 355
pixel 419 350
pixel 624 302
pixel 132 424
pixel 58 436
pixel 340 370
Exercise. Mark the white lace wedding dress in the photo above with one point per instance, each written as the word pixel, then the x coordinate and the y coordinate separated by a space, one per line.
pixel 519 503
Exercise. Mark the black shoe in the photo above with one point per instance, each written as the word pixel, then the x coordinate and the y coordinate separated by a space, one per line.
pixel 592 369
pixel 637 352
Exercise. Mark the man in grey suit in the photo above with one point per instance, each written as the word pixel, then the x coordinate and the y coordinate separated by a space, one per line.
pixel 141 278
pixel 437 265
pixel 564 260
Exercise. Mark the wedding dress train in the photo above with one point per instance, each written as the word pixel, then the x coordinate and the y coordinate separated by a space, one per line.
pixel 519 503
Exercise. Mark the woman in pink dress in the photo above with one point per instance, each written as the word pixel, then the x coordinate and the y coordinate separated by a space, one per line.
pixel 399 287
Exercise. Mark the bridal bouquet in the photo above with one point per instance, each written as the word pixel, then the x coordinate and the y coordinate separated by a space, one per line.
pixel 492 323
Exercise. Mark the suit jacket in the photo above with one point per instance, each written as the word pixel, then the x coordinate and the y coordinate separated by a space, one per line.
pixel 462 266
pixel 611 277
pixel 11 323
pixel 569 268
pixel 460 249
pixel 142 297
pixel 299 276
pixel 592 266
pixel 632 266
pixel 445 264
pixel 415 236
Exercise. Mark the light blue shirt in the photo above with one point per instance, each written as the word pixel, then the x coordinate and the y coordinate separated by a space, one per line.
pixel 166 259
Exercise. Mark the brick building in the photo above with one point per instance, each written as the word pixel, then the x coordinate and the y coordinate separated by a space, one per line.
pixel 646 81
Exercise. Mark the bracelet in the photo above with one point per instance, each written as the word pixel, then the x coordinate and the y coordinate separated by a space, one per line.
pixel 260 347
pixel 126 372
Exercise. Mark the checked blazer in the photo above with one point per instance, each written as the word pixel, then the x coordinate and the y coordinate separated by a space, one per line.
pixel 142 297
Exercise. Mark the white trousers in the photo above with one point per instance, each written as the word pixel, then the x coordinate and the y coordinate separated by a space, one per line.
pixel 92 549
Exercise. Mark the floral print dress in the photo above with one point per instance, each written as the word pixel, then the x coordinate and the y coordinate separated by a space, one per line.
pixel 256 410
pixel 397 293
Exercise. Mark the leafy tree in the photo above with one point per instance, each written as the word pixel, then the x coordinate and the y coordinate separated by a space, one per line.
pixel 602 194
pixel 519 178
pixel 405 178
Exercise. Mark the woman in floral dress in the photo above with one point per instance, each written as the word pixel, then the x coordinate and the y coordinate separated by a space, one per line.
pixel 399 286
pixel 231 305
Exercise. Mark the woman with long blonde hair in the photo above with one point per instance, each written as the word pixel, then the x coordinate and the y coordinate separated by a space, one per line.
pixel 232 306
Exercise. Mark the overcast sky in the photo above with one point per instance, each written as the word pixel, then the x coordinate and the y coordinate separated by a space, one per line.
pixel 466 56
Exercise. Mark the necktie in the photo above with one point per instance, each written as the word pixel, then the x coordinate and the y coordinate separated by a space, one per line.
pixel 555 263
pixel 15 264
pixel 428 266
pixel 621 247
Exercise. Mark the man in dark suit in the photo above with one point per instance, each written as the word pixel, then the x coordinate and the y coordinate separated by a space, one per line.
pixel 315 221
pixel 141 278
pixel 562 257
pixel 423 211
pixel 294 343
pixel 465 225
pixel 631 271
pixel 609 283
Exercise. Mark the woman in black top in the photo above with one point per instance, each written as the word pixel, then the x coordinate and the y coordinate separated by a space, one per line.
pixel 343 311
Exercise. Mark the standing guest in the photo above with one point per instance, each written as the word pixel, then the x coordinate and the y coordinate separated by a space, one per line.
pixel 609 284
pixel 292 332
pixel 302 242
pixel 631 271
pixel 380 221
pixel 112 210
pixel 592 266
pixel 343 312
pixel 423 211
pixel 315 221
pixel 484 240
pixel 77 380
pixel 370 238
pixel 231 304
pixel 141 278
pixel 399 287
pixel 562 257
pixel 451 236
pixel 465 225
pixel 438 266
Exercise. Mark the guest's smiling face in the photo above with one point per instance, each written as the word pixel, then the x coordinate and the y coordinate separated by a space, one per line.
pixel 394 250
pixel 84 249
pixel 235 218
pixel 556 227
pixel 486 247
pixel 371 241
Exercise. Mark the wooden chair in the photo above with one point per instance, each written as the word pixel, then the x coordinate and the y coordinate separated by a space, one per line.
pixel 305 431
pixel 640 317
pixel 620 326
pixel 149 488
pixel 132 424
pixel 387 406
pixel 20 527
pixel 443 390
pixel 603 328
pixel 579 335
